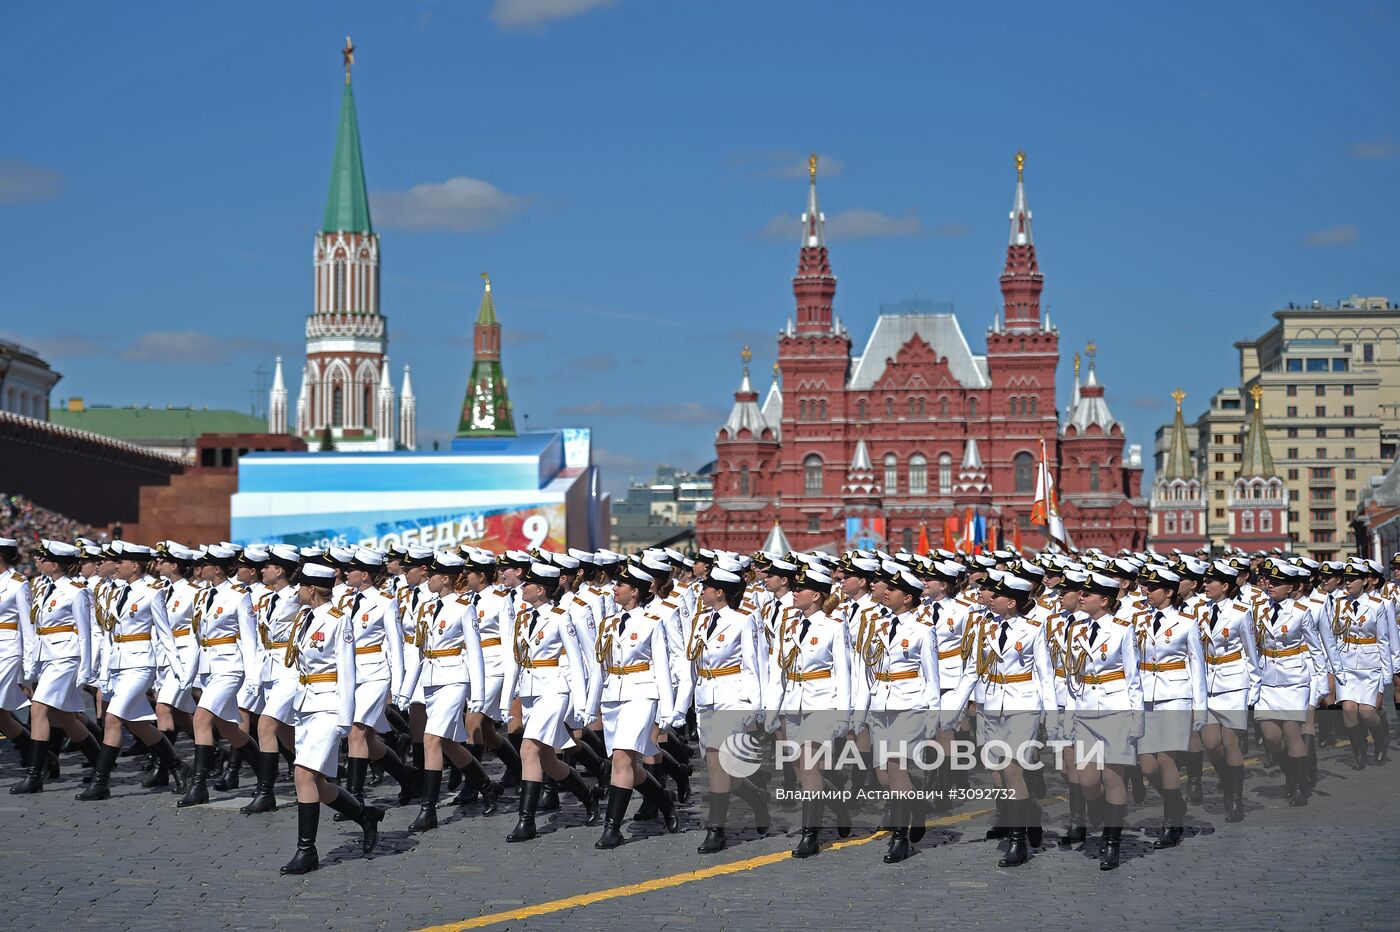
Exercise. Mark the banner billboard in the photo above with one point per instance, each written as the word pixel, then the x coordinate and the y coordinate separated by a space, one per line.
pixel 516 527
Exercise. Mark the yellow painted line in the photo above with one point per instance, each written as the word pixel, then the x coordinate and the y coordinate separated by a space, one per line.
pixel 675 880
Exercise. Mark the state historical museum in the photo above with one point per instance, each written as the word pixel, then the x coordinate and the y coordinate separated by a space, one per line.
pixel 916 431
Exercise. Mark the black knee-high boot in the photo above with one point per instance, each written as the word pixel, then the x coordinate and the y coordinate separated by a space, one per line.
pixel 356 770
pixel 1236 810
pixel 198 792
pixel 509 753
pixel 1114 816
pixel 1173 819
pixel 247 753
pixel 899 849
pixel 1357 735
pixel 366 817
pixel 618 798
pixel 1076 832
pixel 308 821
pixel 678 772
pixel 1297 770
pixel 809 843
pixel 409 779
pixel 576 788
pixel 1000 823
pixel 474 775
pixel 1018 852
pixel 100 787
pixel 715 840
pixel 647 810
pixel 427 808
pixel 756 799
pixel 1193 761
pixel 1381 736
pixel 264 798
pixel 469 792
pixel 36 771
pixel 529 802
pixel 653 792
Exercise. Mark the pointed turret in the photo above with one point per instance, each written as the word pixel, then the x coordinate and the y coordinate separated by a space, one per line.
pixel 1090 409
pixel 814 286
pixel 777 542
pixel 384 405
pixel 773 406
pixel 862 487
pixel 486 411
pixel 303 415
pixel 1258 460
pixel 745 415
pixel 973 485
pixel 347 205
pixel 408 414
pixel 277 402
pixel 1178 465
pixel 1021 281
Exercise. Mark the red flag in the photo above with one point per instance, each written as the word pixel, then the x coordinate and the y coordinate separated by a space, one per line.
pixel 1016 537
pixel 950 533
pixel 924 548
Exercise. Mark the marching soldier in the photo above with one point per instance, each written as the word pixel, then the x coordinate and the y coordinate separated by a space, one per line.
pixel 16 631
pixel 1232 679
pixel 274 613
pixel 1362 636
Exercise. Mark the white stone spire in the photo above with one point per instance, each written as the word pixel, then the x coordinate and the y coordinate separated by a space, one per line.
pixel 1020 213
pixel 303 416
pixel 813 221
pixel 972 457
pixel 277 402
pixel 860 462
pixel 408 413
pixel 384 408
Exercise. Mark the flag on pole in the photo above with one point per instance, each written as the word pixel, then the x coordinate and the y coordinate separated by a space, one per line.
pixel 1016 537
pixel 1046 509
pixel 969 534
pixel 950 532
pixel 924 548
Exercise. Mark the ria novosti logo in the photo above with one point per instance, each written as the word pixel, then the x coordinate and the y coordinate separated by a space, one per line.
pixel 741 755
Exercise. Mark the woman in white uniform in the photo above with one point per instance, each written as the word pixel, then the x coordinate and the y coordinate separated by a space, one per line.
pixel 223 623
pixel 1290 654
pixel 543 672
pixel 16 630
pixel 174 707
pixel 59 662
pixel 723 676
pixel 489 602
pixel 1172 669
pixel 1232 679
pixel 1007 671
pixel 634 686
pixel 899 658
pixel 809 695
pixel 321 650
pixel 447 660
pixel 138 638
pixel 1361 630
pixel 379 673
pixel 1060 628
pixel 274 612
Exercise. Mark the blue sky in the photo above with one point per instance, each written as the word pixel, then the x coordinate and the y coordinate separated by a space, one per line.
pixel 1191 168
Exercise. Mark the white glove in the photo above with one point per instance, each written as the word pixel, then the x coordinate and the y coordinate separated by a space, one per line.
pixel 344 729
pixel 774 722
pixel 505 714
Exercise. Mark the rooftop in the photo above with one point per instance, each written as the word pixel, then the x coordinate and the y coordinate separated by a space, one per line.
pixel 146 424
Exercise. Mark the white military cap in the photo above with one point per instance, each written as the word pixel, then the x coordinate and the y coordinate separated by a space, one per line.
pixel 318 575
pixel 58 549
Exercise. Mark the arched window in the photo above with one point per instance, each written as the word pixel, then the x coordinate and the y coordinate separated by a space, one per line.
pixel 1093 477
pixel 1032 405
pixel 744 481
pixel 909 539
pixel 891 474
pixel 1024 466
pixel 822 406
pixel 945 474
pixel 1266 521
pixel 1187 522
pixel 922 410
pixel 889 407
pixel 802 410
pixel 860 409
pixel 1170 521
pixel 338 405
pixel 1015 407
pixel 367 412
pixel 1247 522
pixel 943 407
pixel 971 409
pixel 339 285
pixel 812 474
pixel 918 475
pixel 911 407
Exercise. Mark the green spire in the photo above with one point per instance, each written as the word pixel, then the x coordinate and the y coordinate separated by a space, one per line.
pixel 1179 453
pixel 486 409
pixel 1257 460
pixel 347 205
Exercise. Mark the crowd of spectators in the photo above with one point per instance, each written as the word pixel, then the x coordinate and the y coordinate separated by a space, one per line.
pixel 29 523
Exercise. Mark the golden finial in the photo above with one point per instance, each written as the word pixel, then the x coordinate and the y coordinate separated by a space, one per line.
pixel 486 277
pixel 1178 396
pixel 1091 351
pixel 812 167
pixel 1020 164
pixel 348 53
pixel 746 355
pixel 1076 366
pixel 1256 392
pixel 776 370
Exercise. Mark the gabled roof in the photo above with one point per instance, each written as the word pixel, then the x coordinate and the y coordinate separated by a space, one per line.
pixel 940 331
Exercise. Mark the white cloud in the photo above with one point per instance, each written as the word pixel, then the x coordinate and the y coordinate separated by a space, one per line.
pixel 457 205
pixel 23 183
pixel 849 224
pixel 1380 149
pixel 1342 235
pixel 193 346
pixel 787 163
pixel 685 412
pixel 536 14
pixel 953 229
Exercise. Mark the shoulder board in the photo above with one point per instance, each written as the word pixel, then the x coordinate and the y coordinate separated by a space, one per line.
pixel 463 600
pixel 79 583
pixel 1122 622
pixel 578 601
pixel 499 590
pixel 1300 604
pixel 668 603
pixel 18 576
pixel 1239 605
pixel 386 592
pixel 961 601
pixel 1142 614
pixel 1376 598
pixel 337 613
pixel 1032 622
pixel 557 610
pixel 595 590
pixel 523 612
pixel 160 584
pixel 747 606
pixel 239 588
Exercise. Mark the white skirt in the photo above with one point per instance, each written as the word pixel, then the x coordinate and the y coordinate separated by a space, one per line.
pixel 129 701
pixel 628 725
pixel 544 719
pixel 445 704
pixel 220 696
pixel 58 686
pixel 1111 729
pixel 257 703
pixel 720 722
pixel 1166 726
pixel 12 698
pixel 371 698
pixel 816 727
pixel 1230 709
pixel 280 698
pixel 1362 686
pixel 1011 728
pixel 318 741
pixel 491 691
pixel 169 693
pixel 894 729
pixel 1285 703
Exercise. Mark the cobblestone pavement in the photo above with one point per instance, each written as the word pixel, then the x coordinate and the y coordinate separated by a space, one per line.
pixel 136 862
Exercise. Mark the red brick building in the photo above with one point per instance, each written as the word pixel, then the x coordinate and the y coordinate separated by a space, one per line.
pixel 915 428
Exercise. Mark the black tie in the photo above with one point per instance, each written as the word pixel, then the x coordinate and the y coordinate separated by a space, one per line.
pixel 437 607
pixel 714 623
pixel 894 623
pixel 1156 622
pixel 534 617
pixel 1001 640
pixel 126 591
pixel 1214 615
pixel 355 607
pixel 802 632
pixel 937 609
pixel 622 623
pixel 1093 633
pixel 272 603
pixel 413 601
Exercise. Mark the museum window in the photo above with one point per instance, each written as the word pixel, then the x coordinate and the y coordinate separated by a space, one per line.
pixel 1024 467
pixel 338 406
pixel 802 410
pixel 1093 477
pixel 1187 522
pixel 822 407
pixel 1266 521
pixel 971 409
pixel 891 474
pixel 812 474
pixel 1247 522
pixel 889 407
pixel 814 524
pixel 744 481
pixel 860 409
pixel 945 474
pixel 918 475
pixel 1171 522
pixel 908 536
pixel 943 407
pixel 339 285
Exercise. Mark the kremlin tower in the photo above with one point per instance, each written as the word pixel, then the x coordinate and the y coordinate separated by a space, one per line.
pixel 486 409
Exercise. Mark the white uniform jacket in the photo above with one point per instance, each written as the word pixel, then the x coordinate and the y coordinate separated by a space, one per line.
pixel 138 629
pixel 904 676
pixel 1104 653
pixel 1232 656
pixel 544 659
pixel 1290 646
pixel 62 612
pixel 448 649
pixel 811 665
pixel 722 658
pixel 1171 661
pixel 634 655
pixel 323 656
pixel 1010 674
pixel 16 627
pixel 223 623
